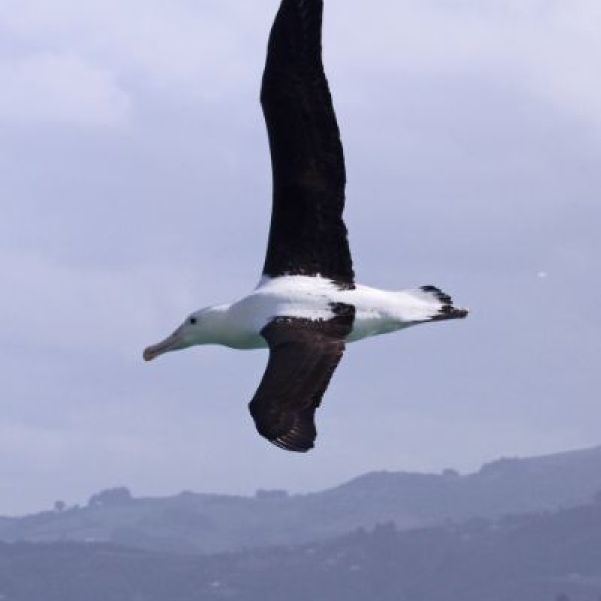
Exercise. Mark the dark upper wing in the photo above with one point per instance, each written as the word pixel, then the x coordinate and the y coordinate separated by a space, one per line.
pixel 307 235
pixel 303 355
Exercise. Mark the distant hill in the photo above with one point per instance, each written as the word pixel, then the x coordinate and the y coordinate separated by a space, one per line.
pixel 207 523
pixel 538 557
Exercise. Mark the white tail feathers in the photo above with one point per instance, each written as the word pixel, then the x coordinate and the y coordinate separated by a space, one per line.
pixel 434 305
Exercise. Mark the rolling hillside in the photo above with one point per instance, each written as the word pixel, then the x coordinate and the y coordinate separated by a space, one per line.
pixel 191 523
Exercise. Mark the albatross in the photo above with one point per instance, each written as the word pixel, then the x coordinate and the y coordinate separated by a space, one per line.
pixel 307 306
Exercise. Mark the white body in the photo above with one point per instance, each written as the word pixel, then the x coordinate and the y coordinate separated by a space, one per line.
pixel 239 325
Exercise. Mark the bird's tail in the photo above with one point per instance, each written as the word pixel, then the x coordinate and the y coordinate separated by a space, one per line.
pixel 437 305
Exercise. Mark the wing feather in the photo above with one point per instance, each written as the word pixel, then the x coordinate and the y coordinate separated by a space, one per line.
pixel 303 355
pixel 307 235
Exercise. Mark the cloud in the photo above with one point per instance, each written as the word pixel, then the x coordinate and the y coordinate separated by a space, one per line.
pixel 171 46
pixel 60 89
pixel 467 129
pixel 194 50
pixel 94 310
pixel 545 48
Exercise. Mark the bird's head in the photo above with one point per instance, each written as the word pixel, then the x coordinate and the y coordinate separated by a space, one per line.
pixel 197 328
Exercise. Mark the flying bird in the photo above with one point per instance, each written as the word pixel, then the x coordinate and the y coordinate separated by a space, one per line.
pixel 307 305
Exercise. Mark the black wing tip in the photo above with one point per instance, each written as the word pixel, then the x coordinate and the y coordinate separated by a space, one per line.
pixel 292 446
pixel 298 25
pixel 447 310
pixel 299 439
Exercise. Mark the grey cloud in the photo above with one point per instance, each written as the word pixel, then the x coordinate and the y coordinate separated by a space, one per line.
pixel 46 88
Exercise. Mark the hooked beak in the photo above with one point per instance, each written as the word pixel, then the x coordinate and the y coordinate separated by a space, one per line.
pixel 172 343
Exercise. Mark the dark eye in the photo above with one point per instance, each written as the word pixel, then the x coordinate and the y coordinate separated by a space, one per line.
pixel 193 320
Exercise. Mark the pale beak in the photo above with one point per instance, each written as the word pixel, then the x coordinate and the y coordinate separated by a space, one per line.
pixel 172 343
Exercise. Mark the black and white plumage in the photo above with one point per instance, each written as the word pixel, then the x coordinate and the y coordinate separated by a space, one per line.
pixel 307 305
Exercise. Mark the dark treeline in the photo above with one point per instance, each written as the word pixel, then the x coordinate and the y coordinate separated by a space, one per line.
pixel 533 557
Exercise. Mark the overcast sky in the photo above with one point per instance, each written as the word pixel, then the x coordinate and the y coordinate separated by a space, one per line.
pixel 135 187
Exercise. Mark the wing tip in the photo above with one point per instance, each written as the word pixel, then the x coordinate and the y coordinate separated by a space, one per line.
pixel 295 440
pixel 291 446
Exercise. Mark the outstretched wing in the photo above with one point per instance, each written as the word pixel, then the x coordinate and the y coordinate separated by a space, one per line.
pixel 303 355
pixel 308 235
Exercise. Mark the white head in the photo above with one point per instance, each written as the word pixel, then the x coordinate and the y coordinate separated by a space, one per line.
pixel 201 327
